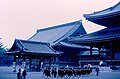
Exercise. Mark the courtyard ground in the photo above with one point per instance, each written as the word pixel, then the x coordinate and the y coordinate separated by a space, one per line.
pixel 7 73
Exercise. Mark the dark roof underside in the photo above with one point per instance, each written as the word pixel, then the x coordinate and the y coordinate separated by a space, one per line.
pixel 103 35
pixel 76 46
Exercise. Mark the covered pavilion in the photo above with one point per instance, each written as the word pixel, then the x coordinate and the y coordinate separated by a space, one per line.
pixel 33 50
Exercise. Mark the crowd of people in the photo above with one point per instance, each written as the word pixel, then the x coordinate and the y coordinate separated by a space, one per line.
pixel 61 72
pixel 69 72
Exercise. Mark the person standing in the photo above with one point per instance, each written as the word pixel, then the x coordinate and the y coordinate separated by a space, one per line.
pixel 97 71
pixel 54 72
pixel 24 73
pixel 19 76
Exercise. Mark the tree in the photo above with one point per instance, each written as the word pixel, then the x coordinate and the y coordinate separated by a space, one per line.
pixel 4 60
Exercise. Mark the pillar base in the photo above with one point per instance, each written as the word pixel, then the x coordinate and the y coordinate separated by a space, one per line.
pixel 14 66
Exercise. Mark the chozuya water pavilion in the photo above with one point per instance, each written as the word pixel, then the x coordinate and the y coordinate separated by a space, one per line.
pixel 107 40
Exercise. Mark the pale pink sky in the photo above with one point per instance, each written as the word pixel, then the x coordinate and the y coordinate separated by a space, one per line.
pixel 21 18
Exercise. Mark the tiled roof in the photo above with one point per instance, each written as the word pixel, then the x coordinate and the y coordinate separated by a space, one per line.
pixel 31 48
pixel 57 33
pixel 99 36
pixel 107 11
pixel 105 17
pixel 75 46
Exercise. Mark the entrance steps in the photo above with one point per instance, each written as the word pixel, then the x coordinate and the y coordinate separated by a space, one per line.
pixel 105 69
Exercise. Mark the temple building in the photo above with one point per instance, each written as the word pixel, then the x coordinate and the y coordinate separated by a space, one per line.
pixel 32 53
pixel 106 40
pixel 50 47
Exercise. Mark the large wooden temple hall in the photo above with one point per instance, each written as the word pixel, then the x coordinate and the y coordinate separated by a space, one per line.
pixel 106 40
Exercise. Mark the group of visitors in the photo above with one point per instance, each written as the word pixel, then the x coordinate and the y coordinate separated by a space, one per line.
pixel 61 72
pixel 21 74
pixel 69 72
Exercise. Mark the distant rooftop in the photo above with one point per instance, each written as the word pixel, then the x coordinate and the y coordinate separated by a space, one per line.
pixel 58 33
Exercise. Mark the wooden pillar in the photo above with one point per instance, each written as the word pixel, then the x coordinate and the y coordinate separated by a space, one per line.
pixel 58 61
pixel 14 64
pixel 24 62
pixel 50 62
pixel 91 51
pixel 30 63
pixel 99 51
pixel 111 51
pixel 59 47
pixel 39 65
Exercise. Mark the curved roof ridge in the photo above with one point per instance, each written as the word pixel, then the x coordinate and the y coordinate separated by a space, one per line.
pixel 116 5
pixel 17 41
pixel 32 41
pixel 23 47
pixel 109 8
pixel 57 26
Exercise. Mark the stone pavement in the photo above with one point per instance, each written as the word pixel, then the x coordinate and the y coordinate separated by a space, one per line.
pixel 7 73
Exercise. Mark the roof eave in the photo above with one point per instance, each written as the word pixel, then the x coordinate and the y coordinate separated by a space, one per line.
pixel 41 54
pixel 97 17
pixel 11 52
pixel 90 41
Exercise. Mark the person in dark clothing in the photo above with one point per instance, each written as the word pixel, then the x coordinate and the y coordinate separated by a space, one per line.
pixel 97 71
pixel 24 73
pixel 54 72
pixel 19 76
